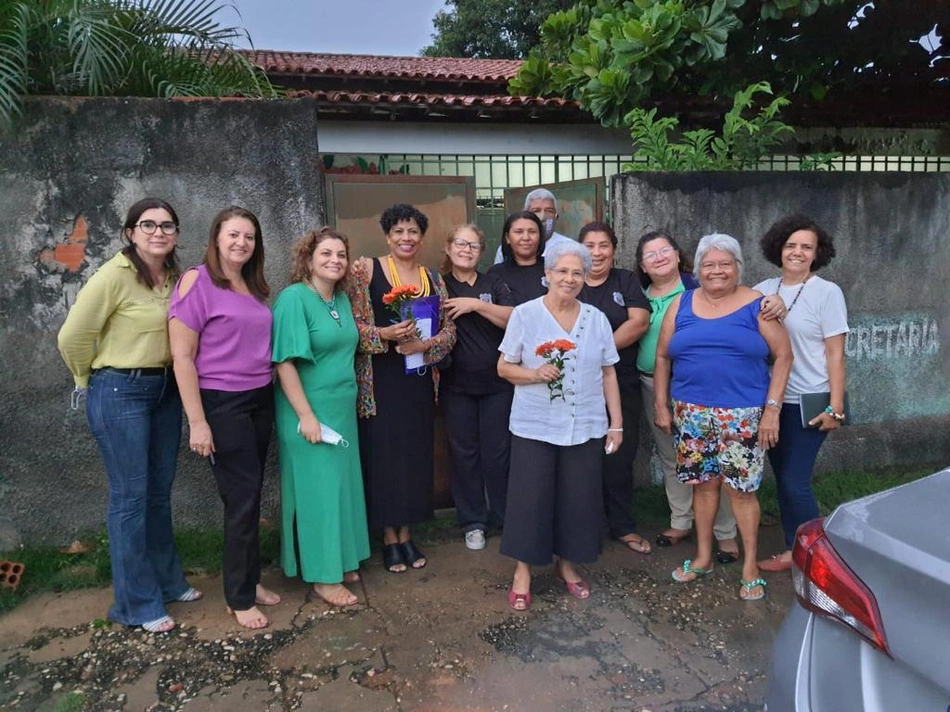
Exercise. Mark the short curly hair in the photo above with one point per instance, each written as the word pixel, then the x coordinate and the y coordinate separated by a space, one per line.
pixel 302 254
pixel 402 212
pixel 776 236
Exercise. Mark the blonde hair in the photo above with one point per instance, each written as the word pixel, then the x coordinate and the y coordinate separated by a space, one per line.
pixel 446 262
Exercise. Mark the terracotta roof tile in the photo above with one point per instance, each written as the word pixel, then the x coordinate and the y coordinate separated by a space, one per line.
pixel 488 70
pixel 447 100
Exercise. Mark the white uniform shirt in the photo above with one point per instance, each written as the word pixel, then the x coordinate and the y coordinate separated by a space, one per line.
pixel 553 240
pixel 582 414
pixel 819 313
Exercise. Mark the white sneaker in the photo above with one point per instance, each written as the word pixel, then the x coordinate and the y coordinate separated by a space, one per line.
pixel 475 539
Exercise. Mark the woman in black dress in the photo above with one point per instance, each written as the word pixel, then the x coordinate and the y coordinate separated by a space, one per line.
pixel 397 409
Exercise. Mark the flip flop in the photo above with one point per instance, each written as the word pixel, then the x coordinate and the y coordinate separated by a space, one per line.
pixel 688 568
pixel 748 586
pixel 636 543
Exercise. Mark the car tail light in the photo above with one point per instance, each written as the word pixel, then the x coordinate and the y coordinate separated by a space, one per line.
pixel 825 584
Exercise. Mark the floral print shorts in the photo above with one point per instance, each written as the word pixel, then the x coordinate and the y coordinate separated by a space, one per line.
pixel 718 442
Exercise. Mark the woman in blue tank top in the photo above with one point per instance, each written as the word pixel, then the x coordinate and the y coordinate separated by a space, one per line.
pixel 725 402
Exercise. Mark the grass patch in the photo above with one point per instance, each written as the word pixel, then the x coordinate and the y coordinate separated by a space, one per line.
pixel 71 702
pixel 48 569
pixel 831 490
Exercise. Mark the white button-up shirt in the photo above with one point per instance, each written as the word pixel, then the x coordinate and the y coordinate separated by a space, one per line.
pixel 582 414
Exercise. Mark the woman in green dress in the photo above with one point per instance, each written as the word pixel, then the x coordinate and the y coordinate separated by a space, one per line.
pixel 323 520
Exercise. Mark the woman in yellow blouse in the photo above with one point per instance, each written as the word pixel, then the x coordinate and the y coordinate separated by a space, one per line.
pixel 115 343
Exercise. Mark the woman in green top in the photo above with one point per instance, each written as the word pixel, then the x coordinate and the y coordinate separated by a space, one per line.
pixel 664 273
pixel 323 512
pixel 115 343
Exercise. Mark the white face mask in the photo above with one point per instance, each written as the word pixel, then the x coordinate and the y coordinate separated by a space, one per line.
pixel 548 228
pixel 329 436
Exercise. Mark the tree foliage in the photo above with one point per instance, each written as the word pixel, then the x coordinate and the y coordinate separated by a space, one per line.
pixel 611 55
pixel 490 29
pixel 741 143
pixel 120 48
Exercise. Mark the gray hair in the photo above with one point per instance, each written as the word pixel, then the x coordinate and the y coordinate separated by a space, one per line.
pixel 540 194
pixel 563 248
pixel 718 241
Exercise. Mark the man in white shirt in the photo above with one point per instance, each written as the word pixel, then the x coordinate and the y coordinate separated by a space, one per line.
pixel 542 203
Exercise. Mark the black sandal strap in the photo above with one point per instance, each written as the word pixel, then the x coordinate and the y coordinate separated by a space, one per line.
pixel 411 554
pixel 393 556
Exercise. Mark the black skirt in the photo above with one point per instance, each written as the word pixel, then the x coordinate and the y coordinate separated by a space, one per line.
pixel 397 444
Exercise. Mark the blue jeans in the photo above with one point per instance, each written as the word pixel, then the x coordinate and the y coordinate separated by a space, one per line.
pixel 793 461
pixel 136 420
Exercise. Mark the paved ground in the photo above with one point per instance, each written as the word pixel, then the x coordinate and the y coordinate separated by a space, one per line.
pixel 439 639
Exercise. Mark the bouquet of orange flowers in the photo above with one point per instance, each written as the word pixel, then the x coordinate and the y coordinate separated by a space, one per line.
pixel 555 353
pixel 399 300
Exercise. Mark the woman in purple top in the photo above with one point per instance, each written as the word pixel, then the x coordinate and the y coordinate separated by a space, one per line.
pixel 725 403
pixel 219 327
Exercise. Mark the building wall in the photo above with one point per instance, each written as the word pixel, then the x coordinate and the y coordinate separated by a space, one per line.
pixel 67 176
pixel 891 233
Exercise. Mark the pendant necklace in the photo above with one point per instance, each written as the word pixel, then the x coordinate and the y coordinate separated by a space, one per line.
pixel 797 295
pixel 330 305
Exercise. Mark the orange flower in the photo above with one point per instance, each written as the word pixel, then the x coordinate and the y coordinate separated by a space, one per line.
pixel 549 347
pixel 398 294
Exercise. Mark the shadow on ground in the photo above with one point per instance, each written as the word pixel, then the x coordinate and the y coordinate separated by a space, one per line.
pixel 438 639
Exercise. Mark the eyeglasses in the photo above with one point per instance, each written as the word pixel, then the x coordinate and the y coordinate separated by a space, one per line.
pixel 150 226
pixel 654 255
pixel 545 212
pixel 717 265
pixel 462 244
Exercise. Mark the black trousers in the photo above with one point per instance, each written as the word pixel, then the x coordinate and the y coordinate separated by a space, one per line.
pixel 241 424
pixel 479 440
pixel 618 466
pixel 554 502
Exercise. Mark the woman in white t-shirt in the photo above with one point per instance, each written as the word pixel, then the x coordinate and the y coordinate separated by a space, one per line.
pixel 817 323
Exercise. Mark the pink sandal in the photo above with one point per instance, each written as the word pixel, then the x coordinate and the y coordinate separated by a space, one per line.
pixel 519 601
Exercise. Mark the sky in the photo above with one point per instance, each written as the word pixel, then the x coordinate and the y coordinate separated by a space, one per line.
pixel 380 27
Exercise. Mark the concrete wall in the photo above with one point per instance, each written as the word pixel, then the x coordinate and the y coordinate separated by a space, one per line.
pixel 67 176
pixel 892 235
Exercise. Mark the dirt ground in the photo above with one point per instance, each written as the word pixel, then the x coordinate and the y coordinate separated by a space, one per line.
pixel 440 639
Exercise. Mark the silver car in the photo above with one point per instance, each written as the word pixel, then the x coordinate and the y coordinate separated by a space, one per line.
pixel 871 631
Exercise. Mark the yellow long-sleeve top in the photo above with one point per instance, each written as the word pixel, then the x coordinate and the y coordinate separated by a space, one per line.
pixel 116 322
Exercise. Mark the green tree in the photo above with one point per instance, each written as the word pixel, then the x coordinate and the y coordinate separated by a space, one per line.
pixel 120 48
pixel 490 29
pixel 611 55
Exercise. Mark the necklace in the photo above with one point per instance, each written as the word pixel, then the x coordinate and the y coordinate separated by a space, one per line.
pixel 797 295
pixel 330 305
pixel 423 280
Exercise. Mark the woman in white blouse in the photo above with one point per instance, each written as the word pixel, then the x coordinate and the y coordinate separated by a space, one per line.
pixel 559 427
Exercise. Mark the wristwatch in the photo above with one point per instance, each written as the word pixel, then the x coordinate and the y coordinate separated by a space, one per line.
pixel 774 403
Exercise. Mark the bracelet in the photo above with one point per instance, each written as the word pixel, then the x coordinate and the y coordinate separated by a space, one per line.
pixel 831 411
pixel 614 430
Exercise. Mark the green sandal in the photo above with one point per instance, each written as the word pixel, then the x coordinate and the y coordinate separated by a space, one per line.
pixel 688 569
pixel 749 585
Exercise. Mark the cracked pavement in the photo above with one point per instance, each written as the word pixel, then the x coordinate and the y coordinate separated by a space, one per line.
pixel 439 639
